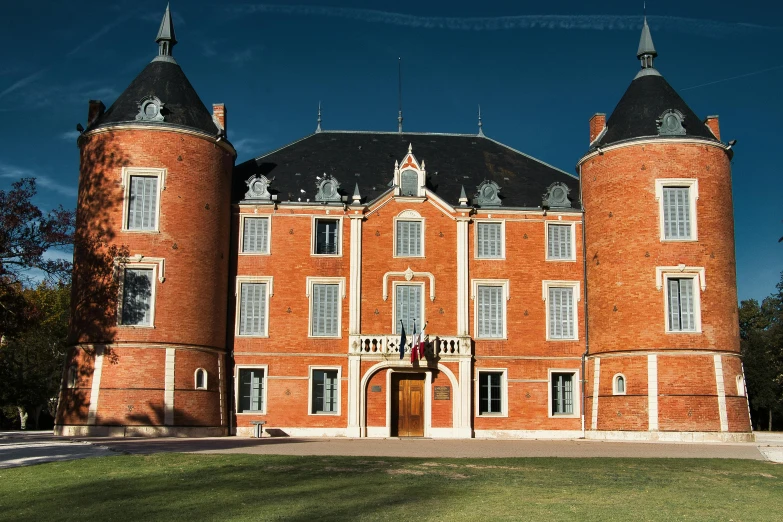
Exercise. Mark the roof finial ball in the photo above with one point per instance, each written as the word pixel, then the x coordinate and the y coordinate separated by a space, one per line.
pixel 166 39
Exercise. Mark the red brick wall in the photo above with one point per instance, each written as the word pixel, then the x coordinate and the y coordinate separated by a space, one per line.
pixel 194 407
pixel 443 410
pixel 75 402
pixel 376 402
pixel 621 412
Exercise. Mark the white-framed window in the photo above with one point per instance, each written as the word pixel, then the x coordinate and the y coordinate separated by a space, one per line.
pixel 408 306
pixel 252 305
pixel 200 377
pixel 137 291
pixel 490 240
pixel 141 199
pixel 492 392
pixel 560 242
pixel 73 376
pixel 255 234
pixel 489 307
pixel 327 236
pixel 562 314
pixel 326 295
pixel 409 183
pixel 409 234
pixel 251 386
pixel 564 393
pixel 324 390
pixel 740 386
pixel 677 208
pixel 618 384
pixel 682 301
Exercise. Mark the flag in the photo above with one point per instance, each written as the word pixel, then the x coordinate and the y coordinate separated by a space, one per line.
pixel 402 340
pixel 421 343
pixel 415 345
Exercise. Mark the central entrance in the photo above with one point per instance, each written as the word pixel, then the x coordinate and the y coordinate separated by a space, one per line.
pixel 407 408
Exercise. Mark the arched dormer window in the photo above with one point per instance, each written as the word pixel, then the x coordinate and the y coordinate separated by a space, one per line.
pixel 618 384
pixel 409 176
pixel 201 379
pixel 409 183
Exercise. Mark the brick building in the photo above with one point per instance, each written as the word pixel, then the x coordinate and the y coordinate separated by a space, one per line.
pixel 210 297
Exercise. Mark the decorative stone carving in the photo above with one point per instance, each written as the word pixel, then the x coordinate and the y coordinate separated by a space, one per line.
pixel 150 108
pixel 327 189
pixel 557 196
pixel 258 188
pixel 671 123
pixel 488 194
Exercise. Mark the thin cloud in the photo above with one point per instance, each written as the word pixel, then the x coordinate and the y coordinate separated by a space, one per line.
pixel 21 83
pixel 248 145
pixel 242 57
pixel 42 182
pixel 753 73
pixel 564 22
pixel 70 135
pixel 102 31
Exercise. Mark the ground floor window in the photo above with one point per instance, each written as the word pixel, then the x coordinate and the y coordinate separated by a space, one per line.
pixel 563 393
pixel 251 390
pixel 324 391
pixel 490 393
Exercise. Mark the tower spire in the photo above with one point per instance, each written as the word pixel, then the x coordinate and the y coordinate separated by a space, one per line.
pixel 646 52
pixel 166 39
pixel 318 128
pixel 480 125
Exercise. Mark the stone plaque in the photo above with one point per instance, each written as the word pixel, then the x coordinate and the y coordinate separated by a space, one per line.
pixel 375 388
pixel 442 393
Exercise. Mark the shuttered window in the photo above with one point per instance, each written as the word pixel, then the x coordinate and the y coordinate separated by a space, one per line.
pixel 559 241
pixel 324 398
pixel 325 310
pixel 251 390
pixel 562 393
pixel 561 313
pixel 255 235
pixel 327 235
pixel 409 238
pixel 490 398
pixel 681 306
pixel 408 308
pixel 489 239
pixel 409 184
pixel 137 297
pixel 676 213
pixel 252 309
pixel 490 311
pixel 143 203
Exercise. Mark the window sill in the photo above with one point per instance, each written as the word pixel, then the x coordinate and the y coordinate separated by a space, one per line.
pixel 324 414
pixel 684 332
pixel 255 253
pixel 563 416
pixel 673 240
pixel 491 415
pixel 477 258
pixel 395 256
pixel 562 340
pixel 251 336
pixel 326 255
pixel 253 412
pixel 138 231
pixel 561 260
pixel 505 338
pixel 310 336
pixel 139 326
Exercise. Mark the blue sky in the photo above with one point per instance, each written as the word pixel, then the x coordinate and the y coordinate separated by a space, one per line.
pixel 539 72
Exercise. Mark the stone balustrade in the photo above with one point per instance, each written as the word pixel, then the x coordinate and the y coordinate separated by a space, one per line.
pixel 435 345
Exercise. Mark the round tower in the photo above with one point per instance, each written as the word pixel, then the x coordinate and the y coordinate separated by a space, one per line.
pixel 663 354
pixel 150 280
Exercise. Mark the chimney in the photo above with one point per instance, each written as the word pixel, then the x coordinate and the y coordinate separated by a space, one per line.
pixel 597 125
pixel 219 116
pixel 96 110
pixel 712 123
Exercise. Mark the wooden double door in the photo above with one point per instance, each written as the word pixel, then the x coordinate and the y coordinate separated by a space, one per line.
pixel 407 406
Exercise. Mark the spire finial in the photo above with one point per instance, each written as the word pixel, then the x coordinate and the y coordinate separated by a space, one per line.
pixel 166 39
pixel 399 93
pixel 318 128
pixel 463 198
pixel 357 198
pixel 481 131
pixel 646 52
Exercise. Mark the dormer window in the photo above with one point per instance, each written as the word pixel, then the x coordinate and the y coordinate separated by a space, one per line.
pixel 409 177
pixel 409 181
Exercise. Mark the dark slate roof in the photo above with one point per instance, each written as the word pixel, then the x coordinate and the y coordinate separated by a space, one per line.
pixel 164 79
pixel 646 99
pixel 367 158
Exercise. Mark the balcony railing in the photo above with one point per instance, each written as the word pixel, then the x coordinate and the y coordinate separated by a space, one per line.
pixel 434 346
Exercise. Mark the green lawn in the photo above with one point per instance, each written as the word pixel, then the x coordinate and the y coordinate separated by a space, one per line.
pixel 257 487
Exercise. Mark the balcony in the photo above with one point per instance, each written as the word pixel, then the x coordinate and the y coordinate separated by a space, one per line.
pixel 436 346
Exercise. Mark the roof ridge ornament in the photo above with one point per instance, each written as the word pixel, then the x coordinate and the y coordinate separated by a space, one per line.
pixel 357 197
pixel 463 198
pixel 328 189
pixel 258 188
pixel 166 38
pixel 318 127
pixel 488 194
pixel 557 196
pixel 480 125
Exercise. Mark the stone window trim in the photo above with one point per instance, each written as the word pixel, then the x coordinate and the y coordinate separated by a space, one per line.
pixel 577 297
pixel 237 368
pixel 423 308
pixel 616 384
pixel 311 369
pixel 127 173
pixel 314 231
pixel 740 385
pixel 575 391
pixel 693 195
pixel 157 265
pixel 503 392
pixel 410 163
pixel 474 285
pixel 242 218
pixel 662 276
pixel 269 280
pixel 313 280
pixel 72 377
pixel 196 379
pixel 502 256
pixel 572 225
pixel 409 215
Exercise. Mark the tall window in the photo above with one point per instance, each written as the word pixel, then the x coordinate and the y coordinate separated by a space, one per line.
pixel 143 203
pixel 201 379
pixel 255 235
pixel 408 238
pixel 561 313
pixel 619 384
pixel 252 309
pixel 681 305
pixel 327 236
pixel 324 391
pixel 490 312
pixel 137 297
pixel 562 393
pixel 490 392
pixel 251 390
pixel 559 241
pixel 409 184
pixel 325 311
pixel 490 240
pixel 408 308
pixel 676 213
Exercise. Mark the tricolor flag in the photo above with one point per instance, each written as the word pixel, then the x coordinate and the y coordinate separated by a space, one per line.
pixel 421 343
pixel 402 340
pixel 415 345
